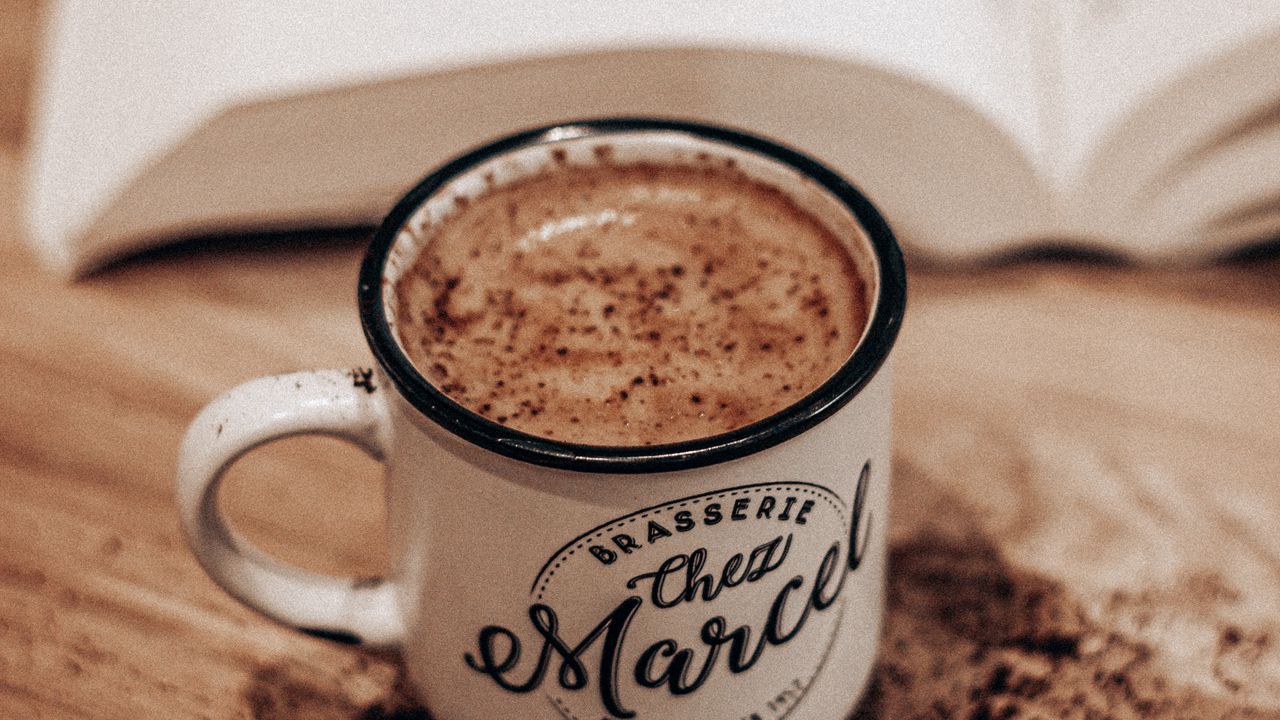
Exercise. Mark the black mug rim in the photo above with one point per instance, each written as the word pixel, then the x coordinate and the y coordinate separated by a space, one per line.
pixel 837 391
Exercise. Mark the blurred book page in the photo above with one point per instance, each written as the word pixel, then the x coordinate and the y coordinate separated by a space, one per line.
pixel 124 82
pixel 954 184
pixel 1119 54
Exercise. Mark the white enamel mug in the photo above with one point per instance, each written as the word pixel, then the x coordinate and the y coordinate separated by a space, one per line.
pixel 735 576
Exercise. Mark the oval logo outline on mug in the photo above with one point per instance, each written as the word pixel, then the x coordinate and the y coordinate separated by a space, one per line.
pixel 599 665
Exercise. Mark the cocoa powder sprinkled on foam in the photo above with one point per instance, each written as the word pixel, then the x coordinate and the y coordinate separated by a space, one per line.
pixel 630 305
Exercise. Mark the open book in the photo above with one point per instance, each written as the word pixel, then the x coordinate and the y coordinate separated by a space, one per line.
pixel 1150 130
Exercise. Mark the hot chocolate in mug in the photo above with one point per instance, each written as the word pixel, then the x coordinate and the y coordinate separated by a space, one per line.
pixel 738 575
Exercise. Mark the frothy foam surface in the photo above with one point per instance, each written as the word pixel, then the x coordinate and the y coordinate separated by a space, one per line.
pixel 630 305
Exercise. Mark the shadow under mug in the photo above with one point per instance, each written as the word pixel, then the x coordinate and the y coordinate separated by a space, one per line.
pixel 739 575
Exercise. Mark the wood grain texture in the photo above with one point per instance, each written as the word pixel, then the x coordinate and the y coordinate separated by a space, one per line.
pixel 1086 513
pixel 19 32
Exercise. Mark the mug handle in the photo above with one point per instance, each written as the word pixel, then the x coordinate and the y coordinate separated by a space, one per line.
pixel 346 404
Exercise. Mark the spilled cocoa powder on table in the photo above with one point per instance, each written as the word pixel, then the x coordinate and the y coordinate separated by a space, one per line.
pixel 968 635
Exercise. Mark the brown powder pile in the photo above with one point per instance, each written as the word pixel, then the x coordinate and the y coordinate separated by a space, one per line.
pixel 967 636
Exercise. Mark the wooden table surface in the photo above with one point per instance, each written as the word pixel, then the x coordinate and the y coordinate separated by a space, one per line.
pixel 1085 520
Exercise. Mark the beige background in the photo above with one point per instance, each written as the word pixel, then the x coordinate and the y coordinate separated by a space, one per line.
pixel 1086 512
